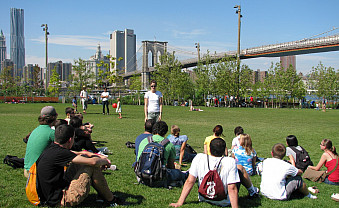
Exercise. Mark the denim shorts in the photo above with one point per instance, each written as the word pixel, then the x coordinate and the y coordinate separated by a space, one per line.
pixel 330 182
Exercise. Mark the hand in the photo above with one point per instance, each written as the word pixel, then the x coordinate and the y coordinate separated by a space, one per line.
pixel 175 204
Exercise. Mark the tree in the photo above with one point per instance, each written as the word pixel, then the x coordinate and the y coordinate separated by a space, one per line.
pixel 82 76
pixel 7 81
pixel 107 76
pixel 54 83
pixel 135 85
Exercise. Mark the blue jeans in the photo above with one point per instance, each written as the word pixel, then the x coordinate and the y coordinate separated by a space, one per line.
pixel 175 177
pixel 330 182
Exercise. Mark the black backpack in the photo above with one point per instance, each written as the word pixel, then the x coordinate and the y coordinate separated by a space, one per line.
pixel 150 167
pixel 14 161
pixel 302 160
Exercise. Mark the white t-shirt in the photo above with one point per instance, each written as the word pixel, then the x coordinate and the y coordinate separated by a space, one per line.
pixel 236 141
pixel 153 101
pixel 273 178
pixel 228 173
pixel 105 94
pixel 83 93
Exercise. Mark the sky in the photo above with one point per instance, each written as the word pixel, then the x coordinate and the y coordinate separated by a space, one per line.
pixel 76 27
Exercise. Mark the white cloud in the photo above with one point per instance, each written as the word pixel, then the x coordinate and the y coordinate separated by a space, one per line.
pixel 188 35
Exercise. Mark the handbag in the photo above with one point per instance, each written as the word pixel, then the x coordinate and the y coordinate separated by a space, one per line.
pixel 318 175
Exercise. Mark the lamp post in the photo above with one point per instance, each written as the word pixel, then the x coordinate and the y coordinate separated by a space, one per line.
pixel 238 11
pixel 45 28
pixel 197 45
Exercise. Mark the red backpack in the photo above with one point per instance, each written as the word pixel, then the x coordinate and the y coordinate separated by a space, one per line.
pixel 211 187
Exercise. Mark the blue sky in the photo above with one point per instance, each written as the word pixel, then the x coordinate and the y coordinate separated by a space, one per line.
pixel 77 26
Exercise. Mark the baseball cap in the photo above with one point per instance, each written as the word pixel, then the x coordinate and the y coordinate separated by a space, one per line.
pixel 48 111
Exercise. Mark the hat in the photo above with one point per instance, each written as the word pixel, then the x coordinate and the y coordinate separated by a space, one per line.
pixel 48 111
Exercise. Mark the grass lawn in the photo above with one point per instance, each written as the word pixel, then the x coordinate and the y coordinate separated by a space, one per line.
pixel 266 127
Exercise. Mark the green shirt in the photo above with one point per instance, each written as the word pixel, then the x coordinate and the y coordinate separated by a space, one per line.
pixel 39 139
pixel 169 148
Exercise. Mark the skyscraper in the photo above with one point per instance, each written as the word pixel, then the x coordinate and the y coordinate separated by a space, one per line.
pixel 17 40
pixel 2 49
pixel 123 45
pixel 286 61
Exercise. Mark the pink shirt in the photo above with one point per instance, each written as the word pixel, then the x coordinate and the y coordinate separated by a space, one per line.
pixel 334 177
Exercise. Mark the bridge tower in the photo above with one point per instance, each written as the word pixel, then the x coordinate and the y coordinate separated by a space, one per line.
pixel 155 49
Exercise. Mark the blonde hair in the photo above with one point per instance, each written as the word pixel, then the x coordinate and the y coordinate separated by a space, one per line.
pixel 246 142
pixel 175 130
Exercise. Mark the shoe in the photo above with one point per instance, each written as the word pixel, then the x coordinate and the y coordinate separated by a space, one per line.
pixel 311 196
pixel 313 190
pixel 254 194
pixel 112 168
pixel 335 197
pixel 103 113
pixel 115 202
pixel 101 153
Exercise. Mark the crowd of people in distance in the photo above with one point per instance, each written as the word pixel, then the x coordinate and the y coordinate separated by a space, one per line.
pixel 59 143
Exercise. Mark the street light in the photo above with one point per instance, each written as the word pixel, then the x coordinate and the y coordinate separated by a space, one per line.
pixel 197 45
pixel 238 11
pixel 45 28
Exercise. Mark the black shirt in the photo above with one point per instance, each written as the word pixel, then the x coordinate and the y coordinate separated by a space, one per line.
pixel 50 173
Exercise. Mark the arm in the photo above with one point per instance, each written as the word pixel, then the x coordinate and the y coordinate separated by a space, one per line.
pixel 320 163
pixel 182 152
pixel 205 148
pixel 146 108
pixel 170 163
pixel 233 194
pixel 160 107
pixel 185 191
pixel 226 151
pixel 292 160
pixel 92 161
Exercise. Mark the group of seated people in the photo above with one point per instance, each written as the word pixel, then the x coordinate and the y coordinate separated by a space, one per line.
pixel 279 178
pixel 53 147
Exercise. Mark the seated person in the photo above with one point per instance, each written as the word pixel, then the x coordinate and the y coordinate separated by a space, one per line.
pixel 179 142
pixel 236 140
pixel 228 173
pixel 148 132
pixel 217 132
pixel 291 151
pixel 195 109
pixel 279 179
pixel 69 113
pixel 329 159
pixel 245 155
pixel 57 187
pixel 85 126
pixel 82 138
pixel 160 129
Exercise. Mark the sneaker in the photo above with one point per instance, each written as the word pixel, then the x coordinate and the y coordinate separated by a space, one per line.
pixel 101 153
pixel 313 190
pixel 115 202
pixel 335 197
pixel 255 193
pixel 311 196
pixel 103 113
pixel 112 168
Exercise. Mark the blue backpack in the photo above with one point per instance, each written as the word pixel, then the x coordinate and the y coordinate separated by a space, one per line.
pixel 150 167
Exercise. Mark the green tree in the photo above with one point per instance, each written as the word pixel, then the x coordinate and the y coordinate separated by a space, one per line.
pixel 82 76
pixel 108 75
pixel 54 83
pixel 135 85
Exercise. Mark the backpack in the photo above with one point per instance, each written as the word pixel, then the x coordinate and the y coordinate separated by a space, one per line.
pixel 14 161
pixel 303 160
pixel 150 167
pixel 31 186
pixel 212 187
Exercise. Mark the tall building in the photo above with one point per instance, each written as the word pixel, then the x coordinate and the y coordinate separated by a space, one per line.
pixel 63 69
pixel 7 63
pixel 17 40
pixel 123 45
pixel 286 61
pixel 27 74
pixel 2 49
pixel 92 63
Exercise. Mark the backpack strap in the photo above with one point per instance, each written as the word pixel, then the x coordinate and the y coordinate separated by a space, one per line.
pixel 150 139
pixel 336 164
pixel 164 142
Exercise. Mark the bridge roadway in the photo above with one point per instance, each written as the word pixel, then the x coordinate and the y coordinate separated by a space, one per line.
pixel 305 46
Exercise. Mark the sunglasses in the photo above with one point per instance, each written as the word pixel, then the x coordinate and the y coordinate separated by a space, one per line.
pixel 153 86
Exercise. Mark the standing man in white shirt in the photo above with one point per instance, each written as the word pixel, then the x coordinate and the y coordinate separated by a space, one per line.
pixel 84 98
pixel 153 103
pixel 105 96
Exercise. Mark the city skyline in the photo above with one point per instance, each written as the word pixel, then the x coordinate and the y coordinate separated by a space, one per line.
pixel 79 28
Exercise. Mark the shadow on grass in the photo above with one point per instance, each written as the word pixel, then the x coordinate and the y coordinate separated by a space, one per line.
pixel 100 143
pixel 244 201
pixel 128 199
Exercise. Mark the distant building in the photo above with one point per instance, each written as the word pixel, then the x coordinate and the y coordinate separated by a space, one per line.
pixel 92 63
pixel 7 63
pixel 63 69
pixel 3 55
pixel 259 76
pixel 286 61
pixel 123 45
pixel 27 74
pixel 17 40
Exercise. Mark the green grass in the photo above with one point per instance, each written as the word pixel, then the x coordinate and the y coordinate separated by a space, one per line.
pixel 266 127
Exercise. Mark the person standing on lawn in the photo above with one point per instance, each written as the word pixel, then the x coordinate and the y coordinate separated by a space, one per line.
pixel 105 96
pixel 153 103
